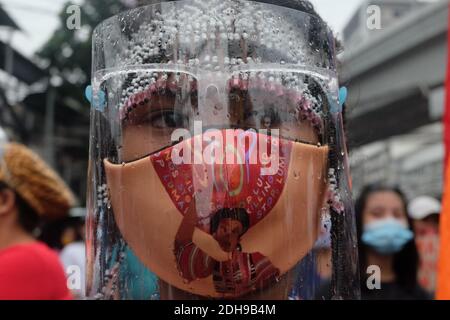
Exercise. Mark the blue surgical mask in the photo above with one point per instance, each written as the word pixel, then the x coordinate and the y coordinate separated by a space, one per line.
pixel 386 236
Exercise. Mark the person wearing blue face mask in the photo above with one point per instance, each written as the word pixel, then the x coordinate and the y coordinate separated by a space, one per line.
pixel 386 240
pixel 387 236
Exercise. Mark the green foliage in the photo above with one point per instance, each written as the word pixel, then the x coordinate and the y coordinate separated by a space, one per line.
pixel 69 51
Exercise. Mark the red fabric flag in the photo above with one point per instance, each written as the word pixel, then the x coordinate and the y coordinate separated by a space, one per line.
pixel 443 289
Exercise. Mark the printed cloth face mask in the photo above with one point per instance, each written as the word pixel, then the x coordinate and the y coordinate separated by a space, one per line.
pixel 217 145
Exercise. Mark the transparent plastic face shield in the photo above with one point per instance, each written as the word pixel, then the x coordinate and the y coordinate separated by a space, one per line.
pixel 216 156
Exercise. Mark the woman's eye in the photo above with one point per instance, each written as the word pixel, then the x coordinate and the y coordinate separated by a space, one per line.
pixel 166 119
pixel 270 119
pixel 398 214
pixel 378 214
pixel 266 119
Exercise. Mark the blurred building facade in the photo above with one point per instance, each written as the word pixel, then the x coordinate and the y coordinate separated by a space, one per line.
pixel 32 113
pixel 356 31
pixel 396 78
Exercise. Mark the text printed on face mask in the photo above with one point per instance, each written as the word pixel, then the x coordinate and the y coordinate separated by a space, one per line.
pixel 228 147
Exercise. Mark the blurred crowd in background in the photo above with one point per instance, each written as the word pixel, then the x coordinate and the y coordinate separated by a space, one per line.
pixel 395 76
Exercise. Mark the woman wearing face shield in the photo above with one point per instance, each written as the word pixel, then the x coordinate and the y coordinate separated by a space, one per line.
pixel 386 241
pixel 229 207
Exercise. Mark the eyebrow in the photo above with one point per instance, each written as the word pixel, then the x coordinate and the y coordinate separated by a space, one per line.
pixel 153 103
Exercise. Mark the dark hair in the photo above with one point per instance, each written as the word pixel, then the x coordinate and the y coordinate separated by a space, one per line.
pixel 52 231
pixel 239 214
pixel 405 261
pixel 27 217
